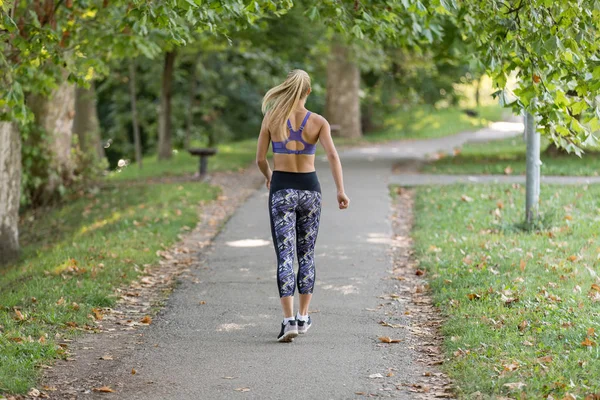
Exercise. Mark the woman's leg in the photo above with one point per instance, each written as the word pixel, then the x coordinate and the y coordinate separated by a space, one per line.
pixel 307 228
pixel 282 208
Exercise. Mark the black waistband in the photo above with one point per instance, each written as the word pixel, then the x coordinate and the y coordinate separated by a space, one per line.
pixel 295 180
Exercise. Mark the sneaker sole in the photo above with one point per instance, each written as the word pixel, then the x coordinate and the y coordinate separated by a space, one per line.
pixel 302 332
pixel 288 337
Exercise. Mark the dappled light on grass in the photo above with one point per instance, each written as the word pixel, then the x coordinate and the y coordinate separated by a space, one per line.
pixel 101 223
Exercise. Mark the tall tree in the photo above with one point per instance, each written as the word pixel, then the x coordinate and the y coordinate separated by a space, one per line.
pixel 137 141
pixel 54 114
pixel 343 85
pixel 10 182
pixel 86 125
pixel 165 148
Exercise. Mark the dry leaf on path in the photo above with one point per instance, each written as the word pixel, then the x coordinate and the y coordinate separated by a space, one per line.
pixel 146 320
pixel 244 389
pixel 373 376
pixel 106 357
pixel 104 389
pixel 34 392
pixel 133 371
pixel 387 339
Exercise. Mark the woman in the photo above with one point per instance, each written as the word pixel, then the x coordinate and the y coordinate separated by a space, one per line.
pixel 294 191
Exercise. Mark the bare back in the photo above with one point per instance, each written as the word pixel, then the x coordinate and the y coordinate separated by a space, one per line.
pixel 310 134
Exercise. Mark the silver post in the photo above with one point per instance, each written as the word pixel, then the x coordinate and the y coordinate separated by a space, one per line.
pixel 533 169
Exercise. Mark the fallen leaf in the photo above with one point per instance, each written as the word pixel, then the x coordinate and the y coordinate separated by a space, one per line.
pixel 511 367
pixel 515 385
pixel 146 320
pixel 522 265
pixel 466 198
pixel 133 371
pixel 473 296
pixel 545 359
pixel 419 272
pixel 387 339
pixel 523 325
pixel 596 287
pixel 228 377
pixel 60 301
pixel 591 332
pixel 244 389
pixel 588 342
pixel 573 258
pixel 104 389
pixel 390 374
pixel 106 357
pixel 202 302
pixel 359 393
pixel 97 313
pixel 500 205
pixel 373 376
pixel 508 170
pixel 33 392
pixel 18 315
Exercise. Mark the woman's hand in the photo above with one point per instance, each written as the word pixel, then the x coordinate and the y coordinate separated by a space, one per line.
pixel 343 200
pixel 268 184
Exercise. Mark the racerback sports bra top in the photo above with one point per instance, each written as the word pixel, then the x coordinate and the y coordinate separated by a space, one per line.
pixel 309 148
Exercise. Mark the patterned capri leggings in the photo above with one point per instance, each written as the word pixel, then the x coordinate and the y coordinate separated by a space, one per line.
pixel 295 209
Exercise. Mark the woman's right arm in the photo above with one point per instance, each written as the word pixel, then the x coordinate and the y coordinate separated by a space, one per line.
pixel 334 163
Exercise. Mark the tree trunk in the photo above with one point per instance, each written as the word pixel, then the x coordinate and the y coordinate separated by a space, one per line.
pixel 54 114
pixel 342 100
pixel 165 149
pixel 137 142
pixel 10 182
pixel 477 88
pixel 191 104
pixel 532 182
pixel 86 124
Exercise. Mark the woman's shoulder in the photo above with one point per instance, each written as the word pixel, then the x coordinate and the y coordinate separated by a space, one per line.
pixel 318 119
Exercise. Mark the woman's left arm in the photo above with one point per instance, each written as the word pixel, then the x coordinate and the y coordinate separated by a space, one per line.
pixel 262 148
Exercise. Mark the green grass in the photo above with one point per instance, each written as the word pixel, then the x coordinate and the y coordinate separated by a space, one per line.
pixel 230 156
pixel 79 253
pixel 494 157
pixel 473 247
pixel 427 123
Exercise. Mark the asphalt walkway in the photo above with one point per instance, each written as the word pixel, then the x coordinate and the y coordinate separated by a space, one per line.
pixel 216 337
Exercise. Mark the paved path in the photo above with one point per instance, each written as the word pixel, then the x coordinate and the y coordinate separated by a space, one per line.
pixel 190 348
pixel 206 351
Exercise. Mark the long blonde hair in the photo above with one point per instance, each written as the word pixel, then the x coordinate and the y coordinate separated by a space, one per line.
pixel 281 100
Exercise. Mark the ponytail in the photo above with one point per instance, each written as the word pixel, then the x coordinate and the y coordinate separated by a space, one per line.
pixel 281 100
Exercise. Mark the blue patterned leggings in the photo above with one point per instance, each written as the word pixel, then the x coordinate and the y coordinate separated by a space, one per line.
pixel 295 223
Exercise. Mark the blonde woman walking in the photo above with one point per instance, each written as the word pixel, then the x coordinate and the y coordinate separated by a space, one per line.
pixel 294 191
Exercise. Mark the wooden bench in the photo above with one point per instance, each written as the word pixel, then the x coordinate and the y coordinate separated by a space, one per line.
pixel 203 154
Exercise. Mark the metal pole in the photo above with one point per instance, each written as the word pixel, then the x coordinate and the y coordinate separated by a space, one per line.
pixel 532 199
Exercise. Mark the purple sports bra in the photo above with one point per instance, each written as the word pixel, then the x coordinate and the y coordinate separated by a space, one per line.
pixel 279 147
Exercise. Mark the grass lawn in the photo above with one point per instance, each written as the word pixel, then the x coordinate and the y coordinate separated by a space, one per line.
pixel 427 122
pixel 231 156
pixel 73 258
pixel 494 157
pixel 523 309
